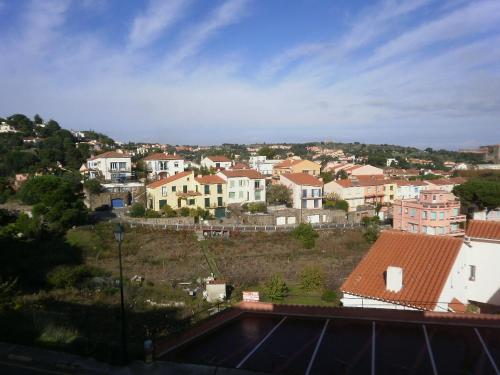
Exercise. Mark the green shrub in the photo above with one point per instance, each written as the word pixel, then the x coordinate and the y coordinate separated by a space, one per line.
pixel 329 296
pixel 276 288
pixel 184 212
pixel 137 210
pixel 338 204
pixel 312 278
pixel 168 211
pixel 92 186
pixel 307 234
pixel 255 207
pixel 71 276
pixel 151 214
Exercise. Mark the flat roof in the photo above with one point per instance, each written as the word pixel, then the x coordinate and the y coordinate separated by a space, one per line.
pixel 314 340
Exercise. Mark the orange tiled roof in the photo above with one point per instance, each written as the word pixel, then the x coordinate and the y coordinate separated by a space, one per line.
pixel 241 166
pixel 110 154
pixel 210 179
pixel 249 173
pixel 219 159
pixel 162 156
pixel 287 163
pixel 303 179
pixel 457 306
pixel 426 261
pixel 167 180
pixel 483 229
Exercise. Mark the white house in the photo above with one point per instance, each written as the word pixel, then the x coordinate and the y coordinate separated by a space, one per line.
pixel 352 193
pixel 446 184
pixel 399 268
pixel 307 190
pixel 160 165
pixel 244 185
pixel 409 189
pixel 110 166
pixel 216 162
pixel 6 128
pixel 263 165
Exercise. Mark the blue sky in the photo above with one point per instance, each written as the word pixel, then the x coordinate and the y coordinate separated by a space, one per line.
pixel 415 72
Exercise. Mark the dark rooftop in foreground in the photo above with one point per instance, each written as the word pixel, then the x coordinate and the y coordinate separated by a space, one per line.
pixel 266 338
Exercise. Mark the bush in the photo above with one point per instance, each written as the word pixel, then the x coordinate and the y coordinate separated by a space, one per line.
pixel 256 207
pixel 137 210
pixel 307 234
pixel 337 204
pixel 184 212
pixel 276 288
pixel 168 211
pixel 329 296
pixel 372 229
pixel 92 186
pixel 71 276
pixel 151 214
pixel 312 278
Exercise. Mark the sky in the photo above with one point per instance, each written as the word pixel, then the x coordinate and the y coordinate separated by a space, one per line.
pixel 424 73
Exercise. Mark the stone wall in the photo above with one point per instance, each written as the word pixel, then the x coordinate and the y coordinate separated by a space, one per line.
pixel 95 201
pixel 291 216
pixel 158 221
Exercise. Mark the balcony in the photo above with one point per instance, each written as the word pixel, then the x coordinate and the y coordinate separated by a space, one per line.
pixel 458 218
pixel 456 233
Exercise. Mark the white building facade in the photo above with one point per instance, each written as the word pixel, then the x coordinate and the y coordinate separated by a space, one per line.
pixel 160 165
pixel 244 186
pixel 307 190
pixel 110 166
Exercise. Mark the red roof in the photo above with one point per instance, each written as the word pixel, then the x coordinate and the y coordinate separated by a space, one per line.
pixel 167 180
pixel 287 163
pixel 210 179
pixel 110 154
pixel 447 181
pixel 249 173
pixel 302 179
pixel 457 306
pixel 162 156
pixel 219 159
pixel 483 229
pixel 241 166
pixel 426 262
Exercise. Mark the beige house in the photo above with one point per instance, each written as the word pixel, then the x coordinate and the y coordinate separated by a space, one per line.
pixel 353 194
pixel 214 191
pixel 307 190
pixel 296 166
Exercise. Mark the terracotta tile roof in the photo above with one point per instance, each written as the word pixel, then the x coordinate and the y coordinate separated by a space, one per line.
pixel 447 181
pixel 249 173
pixel 162 156
pixel 302 179
pixel 426 261
pixel 287 163
pixel 345 183
pixel 240 166
pixel 110 154
pixel 409 183
pixel 167 180
pixel 457 306
pixel 219 159
pixel 483 229
pixel 210 179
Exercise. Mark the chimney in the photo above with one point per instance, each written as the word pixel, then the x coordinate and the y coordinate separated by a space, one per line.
pixel 394 279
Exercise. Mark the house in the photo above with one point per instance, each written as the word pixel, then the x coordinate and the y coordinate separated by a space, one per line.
pixel 177 191
pixel 6 128
pixel 432 273
pixel 263 165
pixel 214 193
pixel 160 165
pixel 296 166
pixel 244 185
pixel 307 190
pixel 376 189
pixel 488 215
pixel 353 194
pixel 406 271
pixel 409 189
pixel 110 166
pixel 433 212
pixel 446 184
pixel 216 162
pixel 363 170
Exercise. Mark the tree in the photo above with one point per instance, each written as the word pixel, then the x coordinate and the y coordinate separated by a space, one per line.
pixel 92 186
pixel 327 177
pixel 168 211
pixel 483 193
pixel 312 278
pixel 276 288
pixel 307 234
pixel 278 194
pixel 137 210
pixel 267 151
pixel 372 228
pixel 341 175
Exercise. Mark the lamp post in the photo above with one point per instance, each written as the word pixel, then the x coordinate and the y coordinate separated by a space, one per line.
pixel 119 233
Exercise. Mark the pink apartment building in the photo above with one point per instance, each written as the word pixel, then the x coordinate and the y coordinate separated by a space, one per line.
pixel 433 212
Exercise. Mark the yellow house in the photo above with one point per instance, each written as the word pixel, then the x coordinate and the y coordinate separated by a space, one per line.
pixel 185 190
pixel 296 166
pixel 390 190
pixel 213 190
pixel 179 190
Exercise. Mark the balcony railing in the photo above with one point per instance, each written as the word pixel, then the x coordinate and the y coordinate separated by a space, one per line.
pixel 458 218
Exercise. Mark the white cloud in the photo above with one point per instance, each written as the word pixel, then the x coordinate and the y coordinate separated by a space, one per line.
pixel 159 16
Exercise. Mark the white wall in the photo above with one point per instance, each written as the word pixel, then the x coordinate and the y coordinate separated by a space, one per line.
pixel 247 190
pixel 104 166
pixel 455 285
pixel 349 300
pixel 206 162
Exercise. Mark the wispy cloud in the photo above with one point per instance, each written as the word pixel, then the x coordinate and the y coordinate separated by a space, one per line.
pixel 159 16
pixel 226 14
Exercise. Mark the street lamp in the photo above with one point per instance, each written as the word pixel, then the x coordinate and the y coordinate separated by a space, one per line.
pixel 119 233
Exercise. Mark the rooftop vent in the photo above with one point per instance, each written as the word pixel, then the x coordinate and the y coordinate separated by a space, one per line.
pixel 394 279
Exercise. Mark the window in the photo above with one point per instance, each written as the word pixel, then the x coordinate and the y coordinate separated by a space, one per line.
pixel 191 202
pixel 455 211
pixel 114 166
pixel 219 202
pixel 257 184
pixel 257 195
pixel 219 189
pixel 391 197
pixel 164 191
pixel 406 210
pixel 240 194
pixel 433 197
pixel 424 229
pixel 412 212
pixel 232 195
pixel 304 203
pixel 472 273
pixel 174 189
pixel 196 188
pixel 207 189
pixel 217 165
pixel 122 166
pixel 207 202
pixel 433 215
pixel 176 165
pixel 304 193
pixel 441 216
pixel 184 188
pixel 231 183
pixel 424 214
pixel 392 187
pixel 316 203
pixel 162 165
pixel 240 182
